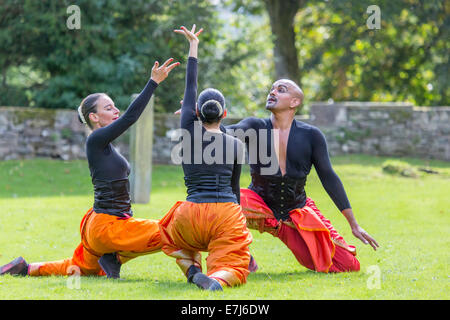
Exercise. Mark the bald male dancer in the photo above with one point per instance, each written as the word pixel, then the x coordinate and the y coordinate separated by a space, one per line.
pixel 276 202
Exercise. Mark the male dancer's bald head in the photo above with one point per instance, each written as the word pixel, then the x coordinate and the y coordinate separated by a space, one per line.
pixel 284 93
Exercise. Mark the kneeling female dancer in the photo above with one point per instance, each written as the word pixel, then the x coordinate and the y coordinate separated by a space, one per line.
pixel 210 219
pixel 110 236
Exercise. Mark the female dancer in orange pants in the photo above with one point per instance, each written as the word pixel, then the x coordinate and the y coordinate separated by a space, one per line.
pixel 210 219
pixel 110 236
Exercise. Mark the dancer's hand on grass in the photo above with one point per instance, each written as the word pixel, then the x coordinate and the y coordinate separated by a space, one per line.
pixel 160 73
pixel 362 235
pixel 357 231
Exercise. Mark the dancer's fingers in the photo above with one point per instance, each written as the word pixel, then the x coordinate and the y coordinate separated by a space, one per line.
pixel 199 32
pixel 358 234
pixel 193 28
pixel 173 65
pixel 360 237
pixel 155 65
pixel 189 33
pixel 167 62
pixel 371 241
pixel 179 31
pixel 184 32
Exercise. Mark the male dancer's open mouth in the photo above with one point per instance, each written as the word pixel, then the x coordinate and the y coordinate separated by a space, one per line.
pixel 271 101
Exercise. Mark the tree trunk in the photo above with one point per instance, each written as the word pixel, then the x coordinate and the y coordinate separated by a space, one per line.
pixel 282 14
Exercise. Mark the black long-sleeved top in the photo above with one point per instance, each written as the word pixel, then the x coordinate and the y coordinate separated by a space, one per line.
pixel 306 147
pixel 109 169
pixel 211 161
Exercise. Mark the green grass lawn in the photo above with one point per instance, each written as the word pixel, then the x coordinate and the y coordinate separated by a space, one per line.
pixel 43 201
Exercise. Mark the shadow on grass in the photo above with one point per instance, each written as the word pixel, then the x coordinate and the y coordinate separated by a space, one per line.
pixel 283 276
pixel 57 281
pixel 61 286
pixel 299 275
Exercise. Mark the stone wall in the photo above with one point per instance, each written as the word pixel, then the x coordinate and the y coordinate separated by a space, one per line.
pixel 389 129
pixel 33 132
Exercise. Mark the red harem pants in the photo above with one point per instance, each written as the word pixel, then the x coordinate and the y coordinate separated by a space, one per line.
pixel 100 234
pixel 307 233
pixel 218 228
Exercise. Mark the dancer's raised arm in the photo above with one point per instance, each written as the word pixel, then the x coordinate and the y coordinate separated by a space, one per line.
pixel 188 113
pixel 105 132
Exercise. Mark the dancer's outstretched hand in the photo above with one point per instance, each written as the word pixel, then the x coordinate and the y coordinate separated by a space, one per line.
pixel 362 235
pixel 191 35
pixel 160 73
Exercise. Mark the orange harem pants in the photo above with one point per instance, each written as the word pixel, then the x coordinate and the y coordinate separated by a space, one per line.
pixel 307 233
pixel 218 228
pixel 100 234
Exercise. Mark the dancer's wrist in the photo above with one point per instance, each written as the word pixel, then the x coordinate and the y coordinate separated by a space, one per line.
pixel 348 213
pixel 193 49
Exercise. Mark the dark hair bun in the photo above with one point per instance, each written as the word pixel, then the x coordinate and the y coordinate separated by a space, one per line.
pixel 211 104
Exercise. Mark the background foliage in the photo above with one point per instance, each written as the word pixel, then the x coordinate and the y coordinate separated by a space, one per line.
pixel 44 64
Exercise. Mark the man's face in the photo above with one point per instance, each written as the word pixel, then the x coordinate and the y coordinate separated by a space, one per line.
pixel 281 96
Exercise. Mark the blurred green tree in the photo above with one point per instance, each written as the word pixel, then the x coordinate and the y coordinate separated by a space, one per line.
pixel 340 58
pixel 52 66
pixel 405 60
pixel 281 15
pixel 324 44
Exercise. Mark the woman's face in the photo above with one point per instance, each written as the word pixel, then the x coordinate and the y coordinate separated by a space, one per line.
pixel 106 112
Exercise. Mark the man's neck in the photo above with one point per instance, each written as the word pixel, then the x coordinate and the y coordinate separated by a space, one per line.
pixel 282 121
